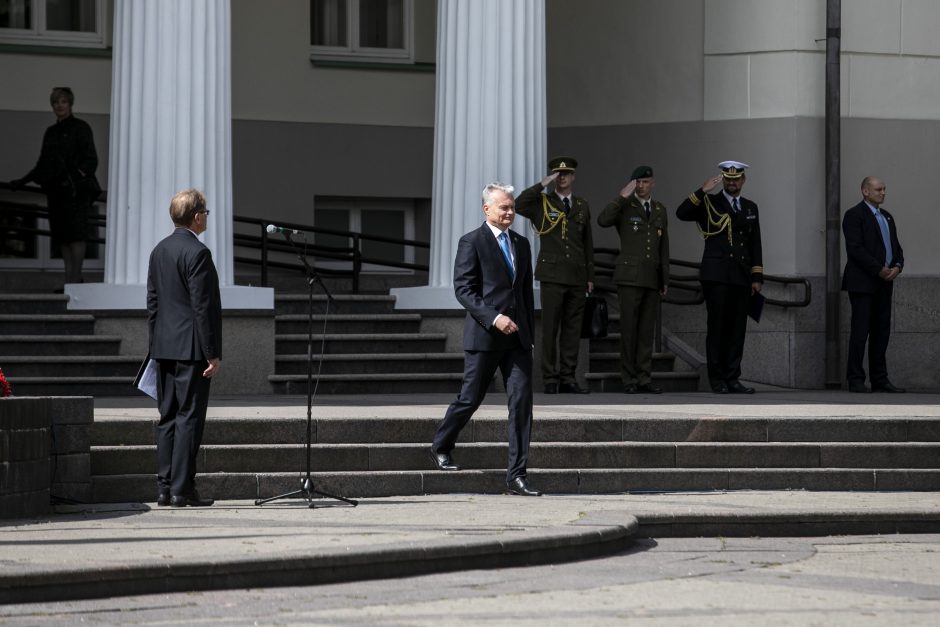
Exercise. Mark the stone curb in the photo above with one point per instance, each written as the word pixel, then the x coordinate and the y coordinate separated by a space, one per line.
pixel 591 536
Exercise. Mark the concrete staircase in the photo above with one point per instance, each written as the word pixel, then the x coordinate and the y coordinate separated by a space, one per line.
pixel 247 458
pixel 365 348
pixel 47 351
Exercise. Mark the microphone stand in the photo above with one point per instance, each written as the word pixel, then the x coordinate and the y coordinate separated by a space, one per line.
pixel 307 489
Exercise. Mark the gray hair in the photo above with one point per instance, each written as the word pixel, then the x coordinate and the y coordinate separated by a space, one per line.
pixel 496 186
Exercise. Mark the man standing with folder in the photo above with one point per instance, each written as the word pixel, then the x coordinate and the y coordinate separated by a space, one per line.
pixel 185 320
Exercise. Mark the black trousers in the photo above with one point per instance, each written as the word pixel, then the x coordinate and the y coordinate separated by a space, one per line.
pixel 726 307
pixel 183 397
pixel 515 365
pixel 871 323
pixel 562 311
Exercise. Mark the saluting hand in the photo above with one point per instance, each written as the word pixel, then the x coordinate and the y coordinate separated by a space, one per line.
pixel 548 180
pixel 626 191
pixel 711 183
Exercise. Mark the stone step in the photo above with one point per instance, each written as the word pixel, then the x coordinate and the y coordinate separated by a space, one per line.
pixel 59 345
pixel 74 386
pixel 142 487
pixel 334 343
pixel 341 304
pixel 371 363
pixel 72 366
pixel 46 324
pixel 33 304
pixel 610 362
pixel 680 381
pixel 349 323
pixel 542 455
pixel 325 429
pixel 382 383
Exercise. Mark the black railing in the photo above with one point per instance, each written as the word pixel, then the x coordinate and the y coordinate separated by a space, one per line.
pixel 352 254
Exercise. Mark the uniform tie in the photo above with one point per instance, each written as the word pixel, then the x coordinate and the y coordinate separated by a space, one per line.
pixel 646 205
pixel 734 205
pixel 567 204
pixel 507 255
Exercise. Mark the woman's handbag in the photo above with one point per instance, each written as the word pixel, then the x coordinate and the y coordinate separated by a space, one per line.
pixel 594 323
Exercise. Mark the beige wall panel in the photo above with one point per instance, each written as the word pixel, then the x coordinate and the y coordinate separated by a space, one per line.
pixel 28 80
pixel 727 87
pixel 615 62
pixel 736 26
pixel 810 84
pixel 274 79
pixel 893 87
pixel 871 26
pixel 774 84
pixel 919 22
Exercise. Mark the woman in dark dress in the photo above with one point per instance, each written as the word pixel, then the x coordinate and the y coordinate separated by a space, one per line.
pixel 66 172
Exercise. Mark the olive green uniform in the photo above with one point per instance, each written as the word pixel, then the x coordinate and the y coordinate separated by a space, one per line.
pixel 565 267
pixel 640 273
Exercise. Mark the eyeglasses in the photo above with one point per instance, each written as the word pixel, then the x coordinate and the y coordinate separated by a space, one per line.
pixel 205 212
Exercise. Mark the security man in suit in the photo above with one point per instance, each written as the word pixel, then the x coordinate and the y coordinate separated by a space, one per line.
pixel 641 273
pixel 184 310
pixel 493 282
pixel 565 269
pixel 731 269
pixel 874 259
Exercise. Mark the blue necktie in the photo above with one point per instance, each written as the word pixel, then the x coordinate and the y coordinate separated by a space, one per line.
pixel 885 236
pixel 507 255
pixel 734 205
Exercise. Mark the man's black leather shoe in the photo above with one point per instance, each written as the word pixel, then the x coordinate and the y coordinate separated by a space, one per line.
pixel 571 388
pixel 720 388
pixel 738 388
pixel 551 388
pixel 649 388
pixel 887 387
pixel 163 499
pixel 189 500
pixel 521 487
pixel 629 389
pixel 442 461
pixel 859 388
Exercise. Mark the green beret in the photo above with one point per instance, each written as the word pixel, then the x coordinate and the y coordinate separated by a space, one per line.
pixel 642 172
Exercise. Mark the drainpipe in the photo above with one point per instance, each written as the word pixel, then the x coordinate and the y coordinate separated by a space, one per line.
pixel 834 365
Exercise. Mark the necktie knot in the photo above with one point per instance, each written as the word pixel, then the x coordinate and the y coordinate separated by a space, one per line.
pixel 567 204
pixel 646 205
pixel 734 205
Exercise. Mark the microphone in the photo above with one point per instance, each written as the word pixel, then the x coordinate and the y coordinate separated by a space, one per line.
pixel 273 228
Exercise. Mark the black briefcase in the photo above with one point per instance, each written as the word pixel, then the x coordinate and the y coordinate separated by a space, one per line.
pixel 594 323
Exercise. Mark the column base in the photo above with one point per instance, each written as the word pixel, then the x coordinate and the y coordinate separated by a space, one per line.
pixel 88 296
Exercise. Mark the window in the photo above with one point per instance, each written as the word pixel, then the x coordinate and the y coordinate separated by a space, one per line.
pixel 53 22
pixel 361 30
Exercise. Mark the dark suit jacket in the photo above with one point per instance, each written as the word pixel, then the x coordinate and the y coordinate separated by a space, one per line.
pixel 483 286
pixel 865 249
pixel 737 260
pixel 183 300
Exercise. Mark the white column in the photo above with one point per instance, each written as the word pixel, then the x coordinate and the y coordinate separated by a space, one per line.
pixel 170 130
pixel 490 124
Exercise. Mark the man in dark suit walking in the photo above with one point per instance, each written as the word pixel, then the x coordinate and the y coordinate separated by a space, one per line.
pixel 185 318
pixel 731 270
pixel 493 282
pixel 874 261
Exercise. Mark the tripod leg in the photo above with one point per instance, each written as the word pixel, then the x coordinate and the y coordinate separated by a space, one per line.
pixel 333 496
pixel 282 496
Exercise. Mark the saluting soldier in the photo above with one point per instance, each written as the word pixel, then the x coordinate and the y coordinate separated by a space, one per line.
pixel 641 274
pixel 731 269
pixel 565 268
